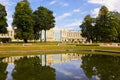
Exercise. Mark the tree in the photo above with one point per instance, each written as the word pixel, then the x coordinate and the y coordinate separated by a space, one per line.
pixel 44 20
pixel 87 28
pixel 37 26
pixel 115 22
pixel 31 69
pixel 102 66
pixel 3 72
pixel 23 21
pixel 104 28
pixel 3 20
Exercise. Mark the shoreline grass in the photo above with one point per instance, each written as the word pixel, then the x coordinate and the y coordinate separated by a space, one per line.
pixel 42 47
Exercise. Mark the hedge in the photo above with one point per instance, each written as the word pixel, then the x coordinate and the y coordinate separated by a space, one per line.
pixel 5 40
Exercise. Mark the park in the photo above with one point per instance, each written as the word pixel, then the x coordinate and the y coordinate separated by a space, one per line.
pixel 35 49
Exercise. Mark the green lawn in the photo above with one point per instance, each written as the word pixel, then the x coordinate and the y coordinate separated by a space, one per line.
pixel 49 46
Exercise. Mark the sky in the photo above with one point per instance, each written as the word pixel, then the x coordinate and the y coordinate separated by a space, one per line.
pixel 69 14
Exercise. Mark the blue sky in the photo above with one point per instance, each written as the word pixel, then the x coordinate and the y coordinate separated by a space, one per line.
pixel 68 13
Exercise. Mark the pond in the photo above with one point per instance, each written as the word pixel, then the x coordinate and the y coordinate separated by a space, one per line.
pixel 68 66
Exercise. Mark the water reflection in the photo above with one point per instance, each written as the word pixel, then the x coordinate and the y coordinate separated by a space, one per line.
pixel 30 68
pixel 69 66
pixel 3 72
pixel 102 66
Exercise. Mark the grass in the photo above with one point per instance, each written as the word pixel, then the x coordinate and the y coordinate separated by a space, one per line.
pixel 5 49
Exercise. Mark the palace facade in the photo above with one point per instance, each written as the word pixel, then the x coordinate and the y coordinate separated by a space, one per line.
pixel 60 35
pixel 63 35
pixel 10 34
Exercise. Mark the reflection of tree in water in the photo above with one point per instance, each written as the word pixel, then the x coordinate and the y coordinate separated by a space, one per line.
pixel 31 69
pixel 3 72
pixel 103 66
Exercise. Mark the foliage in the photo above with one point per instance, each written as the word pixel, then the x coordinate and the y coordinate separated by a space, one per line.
pixel 31 69
pixel 23 21
pixel 3 20
pixel 87 28
pixel 102 66
pixel 3 72
pixel 104 29
pixel 4 40
pixel 106 26
pixel 44 20
pixel 116 24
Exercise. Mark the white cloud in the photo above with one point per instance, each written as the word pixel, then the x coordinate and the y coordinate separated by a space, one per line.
pixel 54 14
pixel 76 10
pixel 63 16
pixel 72 25
pixel 95 1
pixel 95 12
pixel 67 14
pixel 110 4
pixel 76 23
pixel 6 2
pixel 53 2
pixel 64 4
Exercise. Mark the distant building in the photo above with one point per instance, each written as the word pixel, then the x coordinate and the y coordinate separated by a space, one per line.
pixel 72 36
pixel 60 35
pixel 63 35
pixel 10 34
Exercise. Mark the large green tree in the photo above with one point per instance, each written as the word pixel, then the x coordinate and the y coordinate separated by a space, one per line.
pixel 87 28
pixel 44 20
pixel 102 24
pixel 105 30
pixel 31 69
pixel 115 22
pixel 3 72
pixel 3 20
pixel 102 66
pixel 106 26
pixel 23 21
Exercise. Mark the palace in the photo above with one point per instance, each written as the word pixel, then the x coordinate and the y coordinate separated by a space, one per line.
pixel 60 35
pixel 10 34
pixel 63 35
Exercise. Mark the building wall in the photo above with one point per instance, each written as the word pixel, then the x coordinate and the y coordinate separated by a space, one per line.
pixel 57 35
pixel 50 35
pixel 53 35
pixel 10 34
pixel 63 35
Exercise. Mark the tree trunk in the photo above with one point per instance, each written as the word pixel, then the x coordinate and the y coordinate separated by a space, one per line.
pixel 25 41
pixel 45 60
pixel 40 36
pixel 45 36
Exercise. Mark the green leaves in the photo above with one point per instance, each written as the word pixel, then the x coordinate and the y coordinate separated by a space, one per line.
pixel 3 72
pixel 29 24
pixel 3 20
pixel 102 66
pixel 44 19
pixel 106 26
pixel 23 20
pixel 31 69
pixel 87 28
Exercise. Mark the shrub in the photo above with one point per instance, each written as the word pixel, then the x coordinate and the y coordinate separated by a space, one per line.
pixel 5 40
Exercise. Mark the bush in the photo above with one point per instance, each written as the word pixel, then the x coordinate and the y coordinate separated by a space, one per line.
pixel 87 45
pixel 5 40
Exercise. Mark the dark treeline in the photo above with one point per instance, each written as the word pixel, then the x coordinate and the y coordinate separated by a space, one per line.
pixel 104 28
pixel 103 67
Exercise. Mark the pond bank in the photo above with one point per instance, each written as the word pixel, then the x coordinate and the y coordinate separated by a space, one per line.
pixel 67 50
